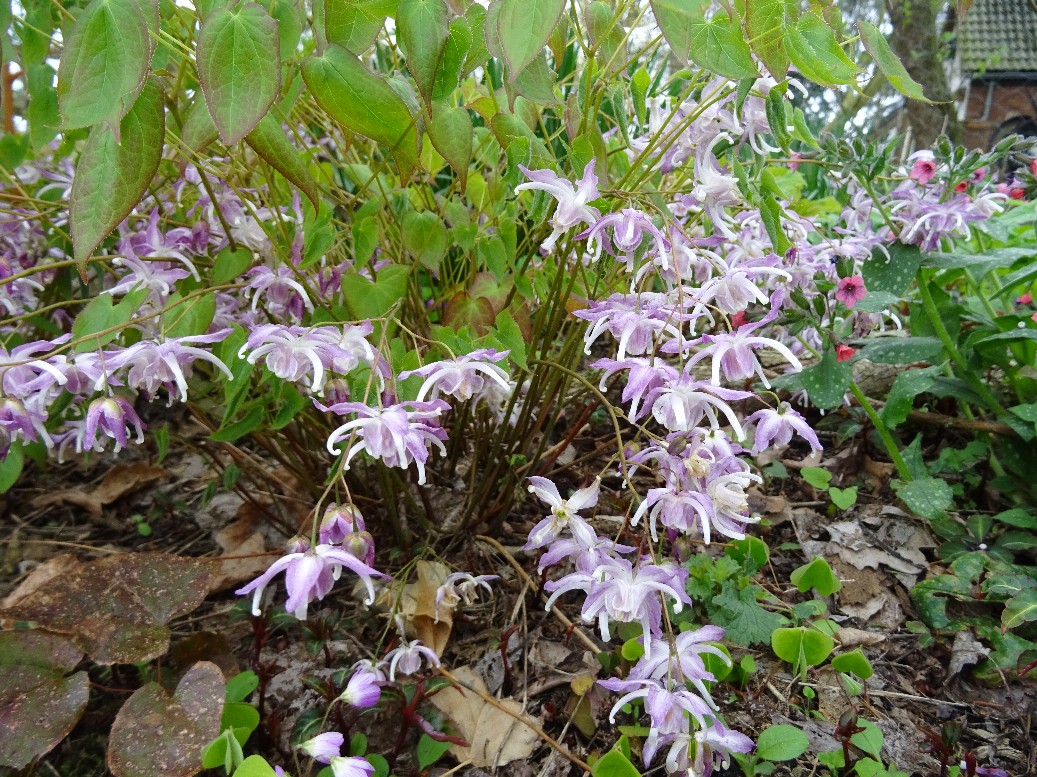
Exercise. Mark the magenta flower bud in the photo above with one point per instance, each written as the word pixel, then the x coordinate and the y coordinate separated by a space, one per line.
pixel 361 545
pixel 297 544
pixel 339 522
pixel 336 391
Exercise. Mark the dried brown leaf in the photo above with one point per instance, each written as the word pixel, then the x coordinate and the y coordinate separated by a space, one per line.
pixel 119 482
pixel 418 606
pixel 494 737
pixel 239 539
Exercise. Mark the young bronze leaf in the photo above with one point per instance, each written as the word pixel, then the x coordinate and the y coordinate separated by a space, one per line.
pixel 157 736
pixel 362 102
pixel 116 609
pixel 269 141
pixel 104 64
pixel 39 705
pixel 112 176
pixel 239 67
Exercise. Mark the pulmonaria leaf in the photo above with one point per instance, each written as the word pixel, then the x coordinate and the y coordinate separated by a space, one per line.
pixel 827 382
pixel 155 735
pixel 116 609
pixel 114 173
pixel 239 67
pixel 39 705
pixel 104 64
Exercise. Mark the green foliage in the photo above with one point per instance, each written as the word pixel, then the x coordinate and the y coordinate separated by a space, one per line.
pixel 817 574
pixel 802 647
pixel 781 743
pixel 114 172
pixel 239 67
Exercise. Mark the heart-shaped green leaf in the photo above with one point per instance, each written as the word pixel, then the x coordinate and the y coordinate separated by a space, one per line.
pixel 523 27
pixel 269 141
pixel 422 30
pixel 362 102
pixel 112 176
pixel 104 64
pixel 817 575
pixel 450 131
pixel 239 67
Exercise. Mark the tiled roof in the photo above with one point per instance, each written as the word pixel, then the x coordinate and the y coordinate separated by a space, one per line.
pixel 998 36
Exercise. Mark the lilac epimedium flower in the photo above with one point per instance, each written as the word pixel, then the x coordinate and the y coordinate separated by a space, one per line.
pixel 564 513
pixel 629 229
pixel 408 658
pixel 680 403
pixel 399 435
pixel 462 377
pixel 734 354
pixel 280 289
pixel 572 209
pixel 111 417
pixel 150 365
pixel 306 355
pixel 310 575
pixel 362 690
pixel 323 747
pixel 461 586
pixel 774 428
pixel 339 521
pixel 635 320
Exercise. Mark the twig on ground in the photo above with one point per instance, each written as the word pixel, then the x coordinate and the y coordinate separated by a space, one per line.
pixel 569 625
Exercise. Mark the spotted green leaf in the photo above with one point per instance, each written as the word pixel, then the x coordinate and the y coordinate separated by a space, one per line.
pixel 239 67
pixel 104 64
pixel 111 177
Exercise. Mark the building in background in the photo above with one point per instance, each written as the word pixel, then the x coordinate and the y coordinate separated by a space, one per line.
pixel 997 64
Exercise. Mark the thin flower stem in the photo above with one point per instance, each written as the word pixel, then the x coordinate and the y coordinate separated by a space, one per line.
pixel 883 430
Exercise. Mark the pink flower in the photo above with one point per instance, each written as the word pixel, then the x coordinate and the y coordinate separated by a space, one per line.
pixel 1026 299
pixel 310 575
pixel 851 290
pixel 924 168
pixel 843 353
pixel 564 513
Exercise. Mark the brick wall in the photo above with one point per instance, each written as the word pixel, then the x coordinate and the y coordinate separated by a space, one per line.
pixel 991 103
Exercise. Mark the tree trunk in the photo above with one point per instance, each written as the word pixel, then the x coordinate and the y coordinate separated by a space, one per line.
pixel 916 40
